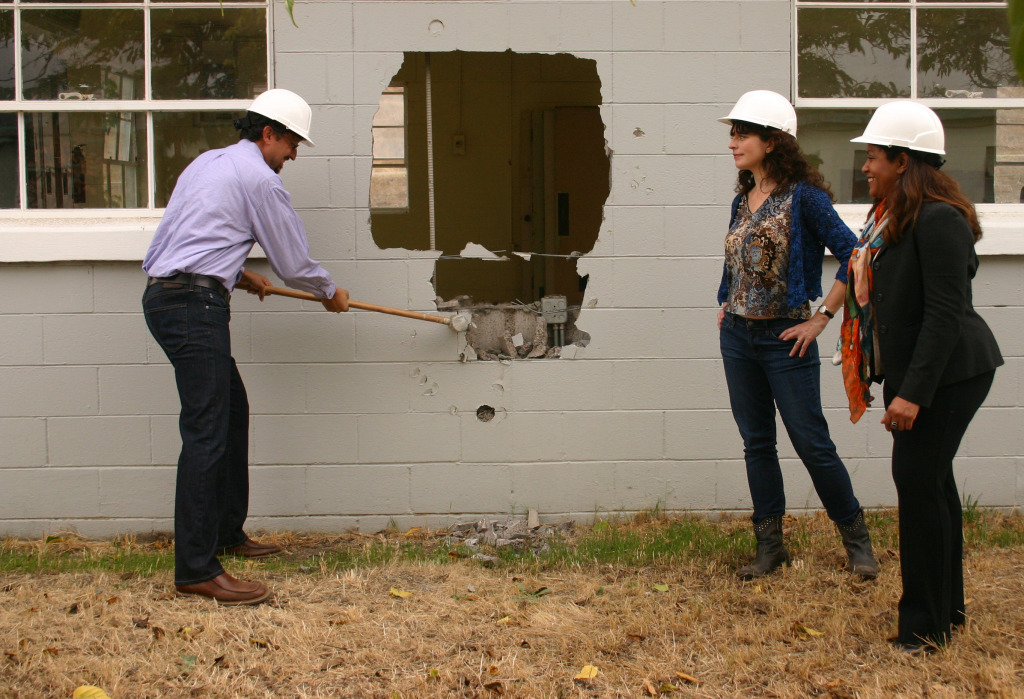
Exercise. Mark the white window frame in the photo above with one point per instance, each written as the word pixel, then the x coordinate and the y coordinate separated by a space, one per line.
pixel 51 235
pixel 1003 224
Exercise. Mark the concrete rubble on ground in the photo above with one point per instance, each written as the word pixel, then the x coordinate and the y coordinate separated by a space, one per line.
pixel 516 532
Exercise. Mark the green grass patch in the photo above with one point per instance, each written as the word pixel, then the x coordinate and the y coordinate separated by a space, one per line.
pixel 648 539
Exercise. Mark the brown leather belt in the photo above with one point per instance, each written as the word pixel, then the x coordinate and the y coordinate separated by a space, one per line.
pixel 190 280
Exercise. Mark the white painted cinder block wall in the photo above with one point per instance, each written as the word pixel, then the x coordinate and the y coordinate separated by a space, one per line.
pixel 364 420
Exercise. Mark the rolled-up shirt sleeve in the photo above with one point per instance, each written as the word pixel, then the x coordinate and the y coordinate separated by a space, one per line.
pixel 279 231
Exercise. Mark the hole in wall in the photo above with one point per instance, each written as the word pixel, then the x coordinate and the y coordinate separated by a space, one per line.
pixel 485 413
pixel 508 183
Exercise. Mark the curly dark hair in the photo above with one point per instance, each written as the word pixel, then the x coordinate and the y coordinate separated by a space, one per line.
pixel 251 126
pixel 784 164
pixel 922 181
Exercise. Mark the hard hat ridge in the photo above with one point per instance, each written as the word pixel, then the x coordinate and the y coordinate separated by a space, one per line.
pixel 906 124
pixel 286 108
pixel 765 108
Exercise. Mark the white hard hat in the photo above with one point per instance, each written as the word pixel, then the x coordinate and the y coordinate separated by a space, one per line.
pixel 286 108
pixel 905 123
pixel 766 108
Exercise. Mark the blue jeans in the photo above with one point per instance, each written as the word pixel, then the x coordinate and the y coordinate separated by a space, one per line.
pixel 212 492
pixel 761 375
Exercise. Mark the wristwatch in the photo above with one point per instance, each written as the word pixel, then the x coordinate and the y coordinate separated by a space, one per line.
pixel 824 311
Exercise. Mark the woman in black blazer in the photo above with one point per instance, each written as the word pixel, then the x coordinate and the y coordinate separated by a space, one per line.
pixel 910 321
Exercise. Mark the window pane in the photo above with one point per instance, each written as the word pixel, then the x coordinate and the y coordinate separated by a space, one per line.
pixel 964 53
pixel 853 53
pixel 6 55
pixel 8 161
pixel 389 144
pixel 94 160
pixel 984 151
pixel 391 111
pixel 82 54
pixel 209 53
pixel 389 188
pixel 179 137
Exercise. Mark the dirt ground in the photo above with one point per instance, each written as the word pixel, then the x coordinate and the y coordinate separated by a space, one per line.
pixel 466 630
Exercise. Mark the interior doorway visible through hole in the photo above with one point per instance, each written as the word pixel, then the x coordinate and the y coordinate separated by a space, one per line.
pixel 515 172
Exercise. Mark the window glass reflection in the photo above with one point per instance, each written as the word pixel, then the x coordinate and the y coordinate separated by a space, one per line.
pixel 987 173
pixel 93 160
pixel 8 161
pixel 6 55
pixel 82 54
pixel 179 137
pixel 209 53
pixel 853 53
pixel 964 52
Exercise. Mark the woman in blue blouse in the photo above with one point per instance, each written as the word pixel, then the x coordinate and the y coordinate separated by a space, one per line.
pixel 782 221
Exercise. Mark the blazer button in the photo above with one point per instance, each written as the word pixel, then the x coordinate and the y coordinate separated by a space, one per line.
pixel 879 296
pixel 882 329
pixel 874 265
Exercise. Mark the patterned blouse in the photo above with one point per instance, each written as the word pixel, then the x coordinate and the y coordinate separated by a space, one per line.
pixel 757 259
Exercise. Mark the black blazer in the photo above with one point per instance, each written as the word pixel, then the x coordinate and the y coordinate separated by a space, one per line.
pixel 929 334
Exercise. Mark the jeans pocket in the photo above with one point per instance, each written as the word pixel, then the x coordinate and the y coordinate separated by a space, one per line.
pixel 169 326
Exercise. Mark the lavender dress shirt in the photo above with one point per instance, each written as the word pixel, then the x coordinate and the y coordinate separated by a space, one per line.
pixel 225 201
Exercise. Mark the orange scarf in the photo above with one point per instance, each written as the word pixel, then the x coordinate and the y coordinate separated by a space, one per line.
pixel 857 336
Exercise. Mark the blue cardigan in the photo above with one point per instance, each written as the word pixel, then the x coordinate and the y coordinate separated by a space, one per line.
pixel 816 225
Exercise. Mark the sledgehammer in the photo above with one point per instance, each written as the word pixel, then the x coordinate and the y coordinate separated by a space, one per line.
pixel 457 323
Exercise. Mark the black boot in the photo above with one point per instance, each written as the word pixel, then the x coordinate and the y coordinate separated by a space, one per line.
pixel 771 552
pixel 857 543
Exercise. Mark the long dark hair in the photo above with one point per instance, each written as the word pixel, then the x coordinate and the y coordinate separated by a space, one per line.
pixel 922 181
pixel 784 164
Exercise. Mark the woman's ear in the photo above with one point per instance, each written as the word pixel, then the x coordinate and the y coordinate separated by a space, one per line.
pixel 902 162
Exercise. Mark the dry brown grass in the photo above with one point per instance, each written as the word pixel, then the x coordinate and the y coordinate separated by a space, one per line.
pixel 470 631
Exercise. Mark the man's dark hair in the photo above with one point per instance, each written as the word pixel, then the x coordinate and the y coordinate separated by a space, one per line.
pixel 251 126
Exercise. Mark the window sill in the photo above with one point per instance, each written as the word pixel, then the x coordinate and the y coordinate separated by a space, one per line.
pixel 124 236
pixel 1002 225
pixel 121 236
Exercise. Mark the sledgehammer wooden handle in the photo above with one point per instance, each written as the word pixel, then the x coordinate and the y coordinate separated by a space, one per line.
pixel 306 296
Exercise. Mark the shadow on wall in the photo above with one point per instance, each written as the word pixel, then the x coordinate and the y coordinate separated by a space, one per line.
pixel 517 167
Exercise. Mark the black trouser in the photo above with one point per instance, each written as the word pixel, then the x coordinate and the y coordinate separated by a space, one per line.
pixel 212 494
pixel 930 518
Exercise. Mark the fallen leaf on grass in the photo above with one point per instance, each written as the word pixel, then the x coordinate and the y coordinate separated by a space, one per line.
pixel 806 630
pixel 667 687
pixel 688 678
pixel 661 588
pixel 650 689
pixel 87 691
pixel 140 622
pixel 637 636
pixel 51 651
pixel 434 674
pixel 588 672
pixel 505 621
pixel 395 592
pixel 495 687
pixel 262 643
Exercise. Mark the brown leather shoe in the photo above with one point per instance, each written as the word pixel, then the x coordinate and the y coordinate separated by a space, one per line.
pixel 251 549
pixel 227 590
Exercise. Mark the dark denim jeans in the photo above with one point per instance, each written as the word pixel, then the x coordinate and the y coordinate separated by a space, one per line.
pixel 212 493
pixel 761 375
